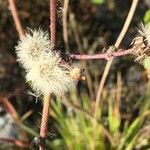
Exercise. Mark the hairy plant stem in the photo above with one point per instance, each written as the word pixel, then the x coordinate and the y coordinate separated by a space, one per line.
pixel 46 100
pixel 44 121
pixel 107 55
pixel 53 21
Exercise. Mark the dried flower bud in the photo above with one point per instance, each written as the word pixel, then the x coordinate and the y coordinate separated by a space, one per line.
pixel 141 44
pixel 77 74
pixel 144 31
pixel 45 70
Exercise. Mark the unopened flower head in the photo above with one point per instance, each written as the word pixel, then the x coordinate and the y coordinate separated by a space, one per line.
pixel 32 46
pixel 45 70
pixel 141 43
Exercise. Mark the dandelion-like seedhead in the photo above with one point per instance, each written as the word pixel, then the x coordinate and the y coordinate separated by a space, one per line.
pixel 32 46
pixel 48 76
pixel 45 69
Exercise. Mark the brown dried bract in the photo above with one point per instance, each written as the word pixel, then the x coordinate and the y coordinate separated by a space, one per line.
pixel 141 48
pixel 77 74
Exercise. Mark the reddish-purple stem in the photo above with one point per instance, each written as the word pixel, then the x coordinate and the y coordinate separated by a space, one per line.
pixel 44 121
pixel 106 55
pixel 19 143
pixel 53 21
pixel 16 19
pixel 9 107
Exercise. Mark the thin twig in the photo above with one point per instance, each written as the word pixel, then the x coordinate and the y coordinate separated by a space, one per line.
pixel 44 121
pixel 19 143
pixel 119 39
pixel 109 62
pixel 26 115
pixel 53 21
pixel 9 108
pixel 16 18
pixel 106 55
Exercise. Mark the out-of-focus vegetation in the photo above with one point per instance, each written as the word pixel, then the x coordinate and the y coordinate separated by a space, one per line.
pixel 147 16
pixel 110 133
pixel 97 1
pixel 122 121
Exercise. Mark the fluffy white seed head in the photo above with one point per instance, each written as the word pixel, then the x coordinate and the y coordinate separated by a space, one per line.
pixel 144 31
pixel 32 46
pixel 49 77
pixel 45 70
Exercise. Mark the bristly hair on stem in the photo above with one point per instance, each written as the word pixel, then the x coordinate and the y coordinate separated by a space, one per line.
pixel 106 55
pixel 53 22
pixel 44 121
